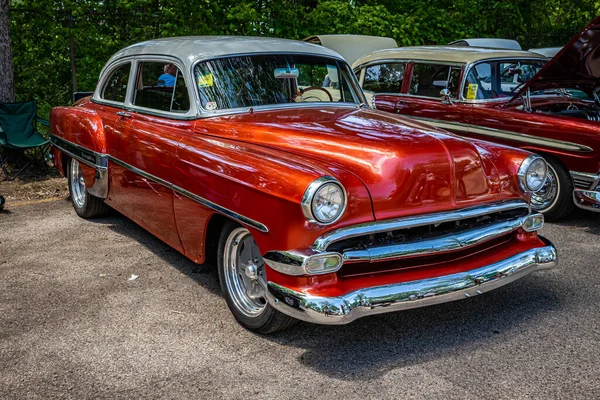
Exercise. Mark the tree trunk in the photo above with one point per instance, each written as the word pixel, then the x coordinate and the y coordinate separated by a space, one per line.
pixel 7 80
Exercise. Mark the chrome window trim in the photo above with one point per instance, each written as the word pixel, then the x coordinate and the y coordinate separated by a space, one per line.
pixel 503 134
pixel 369 228
pixel 102 164
pixel 203 113
pixel 192 113
pixel 107 73
pixel 402 61
pixel 469 66
pixel 409 61
pixel 309 194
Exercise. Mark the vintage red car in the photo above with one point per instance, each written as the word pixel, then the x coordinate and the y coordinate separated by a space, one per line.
pixel 260 155
pixel 517 98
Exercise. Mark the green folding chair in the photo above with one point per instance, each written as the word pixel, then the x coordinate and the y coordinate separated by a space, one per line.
pixel 18 131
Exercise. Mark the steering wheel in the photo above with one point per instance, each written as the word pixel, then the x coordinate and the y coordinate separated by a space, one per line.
pixel 302 91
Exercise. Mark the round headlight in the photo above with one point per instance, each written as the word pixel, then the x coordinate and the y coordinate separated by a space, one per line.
pixel 533 173
pixel 324 201
pixel 328 202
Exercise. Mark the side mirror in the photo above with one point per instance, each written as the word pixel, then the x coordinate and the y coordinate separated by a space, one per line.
pixel 445 95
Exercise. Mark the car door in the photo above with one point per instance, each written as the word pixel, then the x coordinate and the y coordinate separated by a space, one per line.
pixel 155 125
pixel 111 107
pixel 422 100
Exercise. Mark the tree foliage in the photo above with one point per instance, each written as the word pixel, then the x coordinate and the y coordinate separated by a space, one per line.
pixel 41 30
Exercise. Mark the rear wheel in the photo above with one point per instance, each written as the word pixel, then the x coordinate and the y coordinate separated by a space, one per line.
pixel 244 284
pixel 555 198
pixel 85 205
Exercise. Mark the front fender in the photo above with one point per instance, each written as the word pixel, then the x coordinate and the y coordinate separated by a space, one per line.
pixel 261 184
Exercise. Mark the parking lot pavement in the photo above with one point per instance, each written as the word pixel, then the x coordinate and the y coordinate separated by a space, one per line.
pixel 73 325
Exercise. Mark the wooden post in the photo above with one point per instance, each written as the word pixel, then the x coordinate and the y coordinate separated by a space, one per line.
pixel 7 78
pixel 73 65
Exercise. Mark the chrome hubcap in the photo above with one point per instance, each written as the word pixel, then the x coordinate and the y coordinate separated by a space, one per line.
pixel 245 273
pixel 547 196
pixel 77 184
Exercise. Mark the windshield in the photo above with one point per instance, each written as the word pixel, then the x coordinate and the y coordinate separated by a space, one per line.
pixel 262 80
pixel 497 79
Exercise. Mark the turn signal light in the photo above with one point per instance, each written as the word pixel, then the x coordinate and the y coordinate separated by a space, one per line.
pixel 323 263
pixel 533 222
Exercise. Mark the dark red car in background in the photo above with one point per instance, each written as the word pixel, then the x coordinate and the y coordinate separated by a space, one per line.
pixel 517 98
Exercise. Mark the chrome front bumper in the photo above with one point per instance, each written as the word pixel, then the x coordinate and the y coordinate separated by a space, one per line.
pixel 587 199
pixel 407 295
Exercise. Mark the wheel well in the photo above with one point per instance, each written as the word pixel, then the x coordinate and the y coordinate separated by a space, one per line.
pixel 213 233
pixel 65 159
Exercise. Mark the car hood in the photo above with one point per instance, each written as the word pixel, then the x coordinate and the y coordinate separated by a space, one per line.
pixel 407 167
pixel 575 66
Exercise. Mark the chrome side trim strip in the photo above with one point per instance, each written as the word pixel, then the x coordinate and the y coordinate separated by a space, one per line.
pixel 406 295
pixel 503 134
pixel 80 153
pixel 101 164
pixel 213 206
pixel 323 242
pixel 141 173
pixel 92 159
pixel 447 243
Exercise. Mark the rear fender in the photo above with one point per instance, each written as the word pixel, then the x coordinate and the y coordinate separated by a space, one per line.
pixel 78 133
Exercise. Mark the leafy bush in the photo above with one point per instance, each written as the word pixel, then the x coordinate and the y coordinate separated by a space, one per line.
pixel 41 30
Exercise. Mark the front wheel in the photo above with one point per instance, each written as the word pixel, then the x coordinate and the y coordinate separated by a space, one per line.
pixel 555 198
pixel 244 284
pixel 85 205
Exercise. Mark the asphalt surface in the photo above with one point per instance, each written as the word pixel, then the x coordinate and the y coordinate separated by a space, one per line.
pixel 72 325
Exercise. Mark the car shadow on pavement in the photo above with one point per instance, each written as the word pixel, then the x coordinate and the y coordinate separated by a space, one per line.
pixel 370 347
pixel 204 274
pixel 583 219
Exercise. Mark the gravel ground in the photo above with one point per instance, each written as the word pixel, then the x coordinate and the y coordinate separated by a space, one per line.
pixel 72 325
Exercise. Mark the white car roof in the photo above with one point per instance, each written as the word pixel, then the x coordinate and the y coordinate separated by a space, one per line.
pixel 490 43
pixel 189 49
pixel 444 54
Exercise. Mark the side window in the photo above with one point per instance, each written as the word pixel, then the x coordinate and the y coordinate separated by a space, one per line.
pixel 429 79
pixel 161 86
pixel 480 82
pixel 384 78
pixel 115 87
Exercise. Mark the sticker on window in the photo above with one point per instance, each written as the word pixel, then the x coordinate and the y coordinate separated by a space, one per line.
pixel 472 91
pixel 211 106
pixel 205 80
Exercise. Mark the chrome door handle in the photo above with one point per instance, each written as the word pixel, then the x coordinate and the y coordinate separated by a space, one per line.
pixel 124 114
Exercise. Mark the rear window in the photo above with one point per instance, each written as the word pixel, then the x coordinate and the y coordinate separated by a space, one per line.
pixel 115 87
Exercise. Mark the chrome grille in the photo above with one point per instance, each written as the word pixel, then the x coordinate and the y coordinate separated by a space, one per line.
pixel 425 233
pixel 583 182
